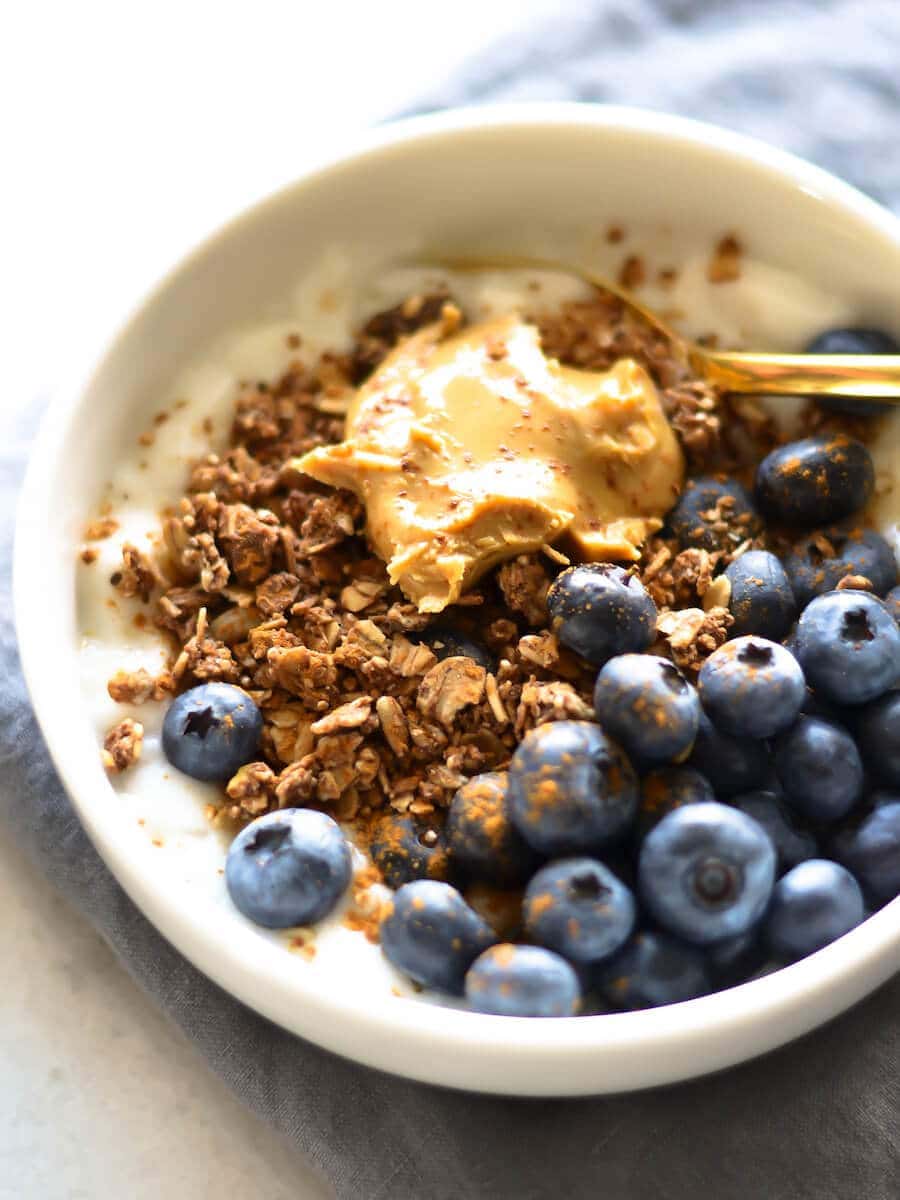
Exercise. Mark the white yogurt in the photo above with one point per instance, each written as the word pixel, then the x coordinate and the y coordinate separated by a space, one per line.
pixel 764 308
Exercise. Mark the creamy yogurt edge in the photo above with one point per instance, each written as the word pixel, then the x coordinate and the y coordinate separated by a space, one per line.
pixel 765 307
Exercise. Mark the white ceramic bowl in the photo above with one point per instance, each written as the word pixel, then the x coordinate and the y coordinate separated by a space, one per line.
pixel 540 179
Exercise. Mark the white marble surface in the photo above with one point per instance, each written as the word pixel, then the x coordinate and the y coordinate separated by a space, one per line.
pixel 129 130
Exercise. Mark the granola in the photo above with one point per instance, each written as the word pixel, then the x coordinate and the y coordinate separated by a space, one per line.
pixel 122 745
pixel 690 635
pixel 137 575
pixel 264 578
pixel 137 687
pixel 524 583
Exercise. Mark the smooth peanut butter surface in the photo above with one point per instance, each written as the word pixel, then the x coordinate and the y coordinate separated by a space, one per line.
pixel 471 447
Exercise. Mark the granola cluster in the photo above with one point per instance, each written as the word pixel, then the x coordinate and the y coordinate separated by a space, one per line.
pixel 122 745
pixel 263 579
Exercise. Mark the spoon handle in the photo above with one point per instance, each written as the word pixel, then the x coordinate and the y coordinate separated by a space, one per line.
pixel 862 376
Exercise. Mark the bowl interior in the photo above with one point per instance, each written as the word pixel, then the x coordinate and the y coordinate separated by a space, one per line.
pixel 542 181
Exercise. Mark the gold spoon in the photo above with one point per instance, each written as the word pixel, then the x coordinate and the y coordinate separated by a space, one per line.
pixel 862 376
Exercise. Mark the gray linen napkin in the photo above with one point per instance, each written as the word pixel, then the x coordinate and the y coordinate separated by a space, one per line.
pixel 817 1119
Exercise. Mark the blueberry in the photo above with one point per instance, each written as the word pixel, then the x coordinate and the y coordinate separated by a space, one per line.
pixel 599 610
pixel 820 769
pixel 431 935
pixel 752 687
pixel 652 970
pixel 872 556
pixel 578 908
pixel 853 341
pixel 736 959
pixel 713 514
pixel 481 839
pixel 522 981
pixel 871 850
pixel 849 646
pixel 761 600
pixel 816 480
pixel 878 737
pixel 668 788
pixel 445 642
pixel 792 845
pixel 647 704
pixel 404 850
pixel 892 603
pixel 706 872
pixel 817 562
pixel 211 731
pixel 571 788
pixel 732 765
pixel 815 903
pixel 289 867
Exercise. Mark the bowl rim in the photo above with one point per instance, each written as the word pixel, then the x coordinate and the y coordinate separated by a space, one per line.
pixel 431 1034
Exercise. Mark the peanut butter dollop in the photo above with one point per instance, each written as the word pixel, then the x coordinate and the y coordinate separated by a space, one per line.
pixel 469 448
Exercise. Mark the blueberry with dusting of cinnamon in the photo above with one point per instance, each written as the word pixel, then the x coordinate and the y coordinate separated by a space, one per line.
pixel 404 849
pixel 580 909
pixel 652 970
pixel 571 788
pixel 849 646
pixel 666 789
pixel 760 597
pixel 714 513
pixel 752 687
pixel 647 704
pixel 732 765
pixel 481 839
pixel 522 981
pixel 600 609
pixel 823 559
pixel 432 935
pixel 816 480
